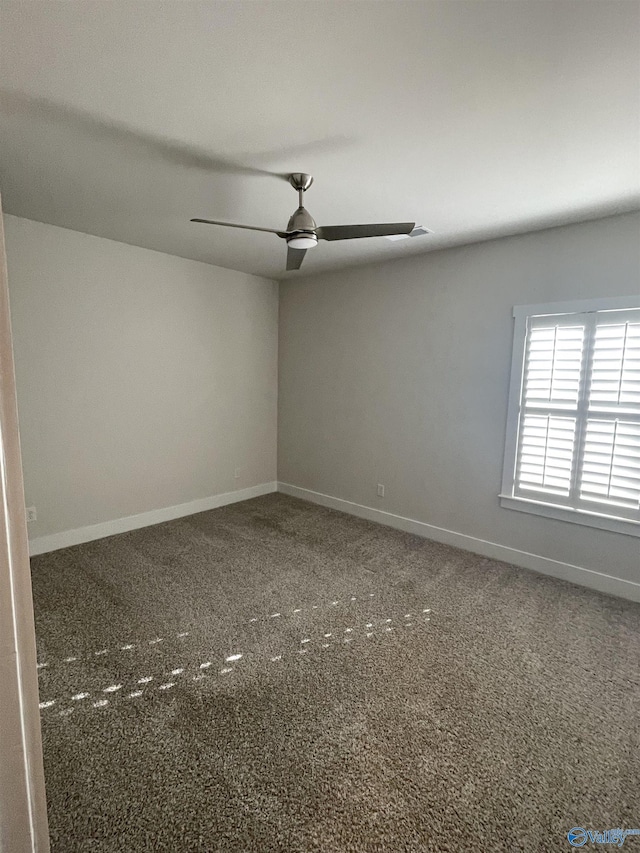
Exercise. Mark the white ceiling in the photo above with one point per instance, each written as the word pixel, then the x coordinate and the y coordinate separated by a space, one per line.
pixel 475 119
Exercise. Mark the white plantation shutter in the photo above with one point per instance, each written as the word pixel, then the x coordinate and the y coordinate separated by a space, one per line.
pixel 578 431
pixel 546 454
pixel 615 372
pixel 553 365
pixel 611 463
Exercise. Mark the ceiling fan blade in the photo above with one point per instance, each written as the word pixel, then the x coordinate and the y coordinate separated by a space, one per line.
pixel 350 232
pixel 124 137
pixel 235 225
pixel 295 258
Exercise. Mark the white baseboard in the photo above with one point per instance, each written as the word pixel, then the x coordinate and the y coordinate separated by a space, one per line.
pixel 544 565
pixel 43 544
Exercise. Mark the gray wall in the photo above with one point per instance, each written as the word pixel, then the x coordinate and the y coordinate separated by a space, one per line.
pixel 398 374
pixel 144 380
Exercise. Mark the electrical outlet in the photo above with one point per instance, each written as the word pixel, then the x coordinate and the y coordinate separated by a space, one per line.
pixel 238 473
pixel 32 515
pixel 380 490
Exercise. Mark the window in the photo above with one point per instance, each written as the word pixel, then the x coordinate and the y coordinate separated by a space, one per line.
pixel 573 431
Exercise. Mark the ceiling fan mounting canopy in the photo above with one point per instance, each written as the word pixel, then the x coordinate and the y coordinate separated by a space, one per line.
pixel 300 181
pixel 302 232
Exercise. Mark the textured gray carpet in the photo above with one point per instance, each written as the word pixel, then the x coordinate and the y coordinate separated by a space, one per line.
pixel 393 694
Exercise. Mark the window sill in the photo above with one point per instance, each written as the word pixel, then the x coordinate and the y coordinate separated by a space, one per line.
pixel 575 516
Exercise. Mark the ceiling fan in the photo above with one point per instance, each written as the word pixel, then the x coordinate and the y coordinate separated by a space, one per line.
pixel 302 232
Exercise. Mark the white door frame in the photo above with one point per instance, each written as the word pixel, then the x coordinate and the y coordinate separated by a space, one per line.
pixel 23 811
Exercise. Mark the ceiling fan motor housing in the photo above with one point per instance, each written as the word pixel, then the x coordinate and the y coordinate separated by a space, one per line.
pixel 302 221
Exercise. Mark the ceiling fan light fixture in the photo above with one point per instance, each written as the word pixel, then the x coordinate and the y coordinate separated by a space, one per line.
pixel 302 241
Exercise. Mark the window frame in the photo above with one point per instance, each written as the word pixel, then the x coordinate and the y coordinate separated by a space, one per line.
pixel 541 506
